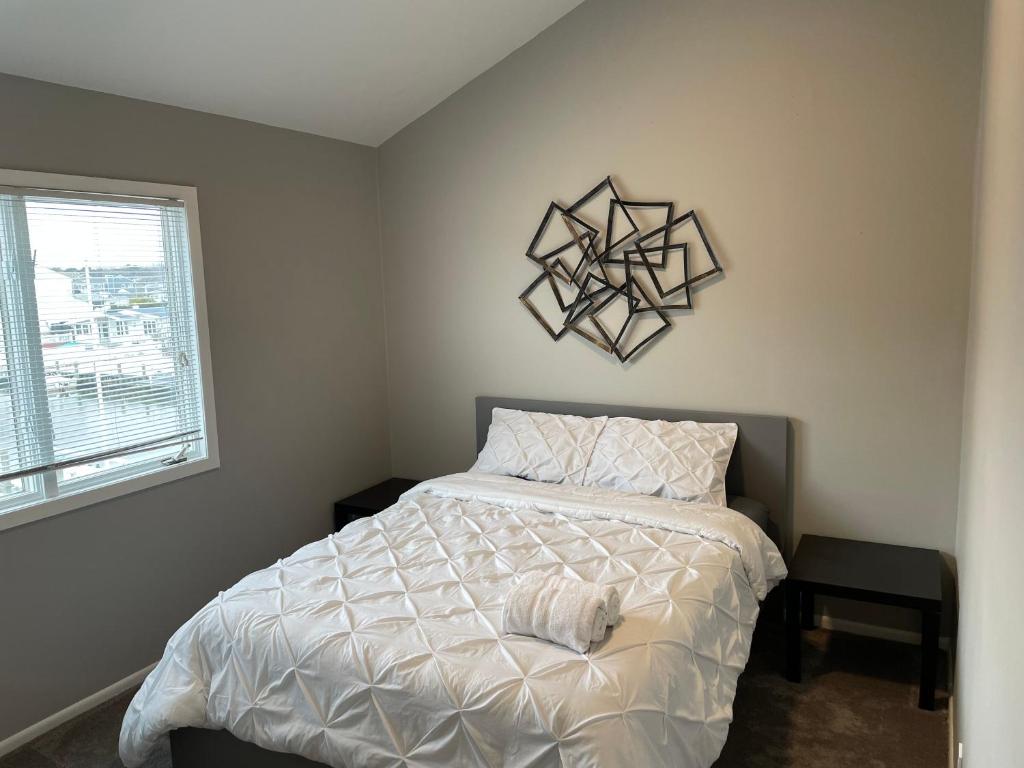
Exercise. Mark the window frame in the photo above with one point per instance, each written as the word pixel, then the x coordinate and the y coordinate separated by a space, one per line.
pixel 158 474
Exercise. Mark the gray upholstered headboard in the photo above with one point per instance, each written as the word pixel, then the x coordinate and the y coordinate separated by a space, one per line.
pixel 759 468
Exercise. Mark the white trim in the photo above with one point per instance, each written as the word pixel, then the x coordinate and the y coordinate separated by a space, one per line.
pixel 43 509
pixel 59 181
pixel 195 243
pixel 23 737
pixel 954 745
pixel 190 197
pixel 36 730
pixel 873 630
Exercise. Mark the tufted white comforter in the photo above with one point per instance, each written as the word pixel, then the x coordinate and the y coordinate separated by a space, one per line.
pixel 382 645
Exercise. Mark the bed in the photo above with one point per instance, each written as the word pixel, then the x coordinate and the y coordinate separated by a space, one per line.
pixel 381 645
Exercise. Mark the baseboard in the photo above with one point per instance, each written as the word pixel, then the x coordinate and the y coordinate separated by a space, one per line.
pixel 36 730
pixel 23 737
pixel 873 630
pixel 951 717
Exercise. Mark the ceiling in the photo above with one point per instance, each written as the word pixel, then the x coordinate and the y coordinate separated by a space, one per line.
pixel 359 70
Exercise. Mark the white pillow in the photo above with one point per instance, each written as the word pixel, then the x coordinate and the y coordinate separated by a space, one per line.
pixel 539 446
pixel 675 460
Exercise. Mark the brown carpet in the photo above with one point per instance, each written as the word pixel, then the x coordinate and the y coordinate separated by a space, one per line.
pixel 857 708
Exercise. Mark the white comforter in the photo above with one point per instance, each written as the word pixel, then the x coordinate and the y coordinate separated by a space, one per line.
pixel 382 645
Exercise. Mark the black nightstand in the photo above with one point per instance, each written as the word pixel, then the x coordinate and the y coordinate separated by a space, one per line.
pixel 876 573
pixel 371 501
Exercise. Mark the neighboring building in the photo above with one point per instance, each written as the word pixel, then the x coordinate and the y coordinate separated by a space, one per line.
pixel 77 337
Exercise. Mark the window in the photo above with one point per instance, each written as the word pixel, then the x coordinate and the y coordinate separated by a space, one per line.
pixel 87 417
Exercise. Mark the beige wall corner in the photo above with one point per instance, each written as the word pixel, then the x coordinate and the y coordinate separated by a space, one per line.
pixel 989 676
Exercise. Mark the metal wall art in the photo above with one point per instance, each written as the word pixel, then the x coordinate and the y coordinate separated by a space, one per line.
pixel 611 269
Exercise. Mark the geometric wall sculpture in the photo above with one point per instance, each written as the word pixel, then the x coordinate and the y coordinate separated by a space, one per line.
pixel 611 270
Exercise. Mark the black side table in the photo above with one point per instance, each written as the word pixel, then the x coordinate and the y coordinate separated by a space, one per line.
pixel 370 501
pixel 877 573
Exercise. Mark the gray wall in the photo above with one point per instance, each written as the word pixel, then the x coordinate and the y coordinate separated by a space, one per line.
pixel 829 148
pixel 290 245
pixel 990 680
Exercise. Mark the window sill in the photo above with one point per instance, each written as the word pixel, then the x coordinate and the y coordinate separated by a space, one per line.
pixel 158 476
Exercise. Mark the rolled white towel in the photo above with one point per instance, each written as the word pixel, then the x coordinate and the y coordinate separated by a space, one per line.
pixel 565 611
pixel 612 603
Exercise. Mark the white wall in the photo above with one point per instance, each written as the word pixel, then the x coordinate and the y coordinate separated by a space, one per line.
pixel 829 147
pixel 990 679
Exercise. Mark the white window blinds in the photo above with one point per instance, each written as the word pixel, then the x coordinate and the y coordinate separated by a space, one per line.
pixel 99 366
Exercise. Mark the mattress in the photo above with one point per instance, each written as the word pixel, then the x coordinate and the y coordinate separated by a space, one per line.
pixel 382 645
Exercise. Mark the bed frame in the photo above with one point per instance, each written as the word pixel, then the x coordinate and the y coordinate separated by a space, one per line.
pixel 759 469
